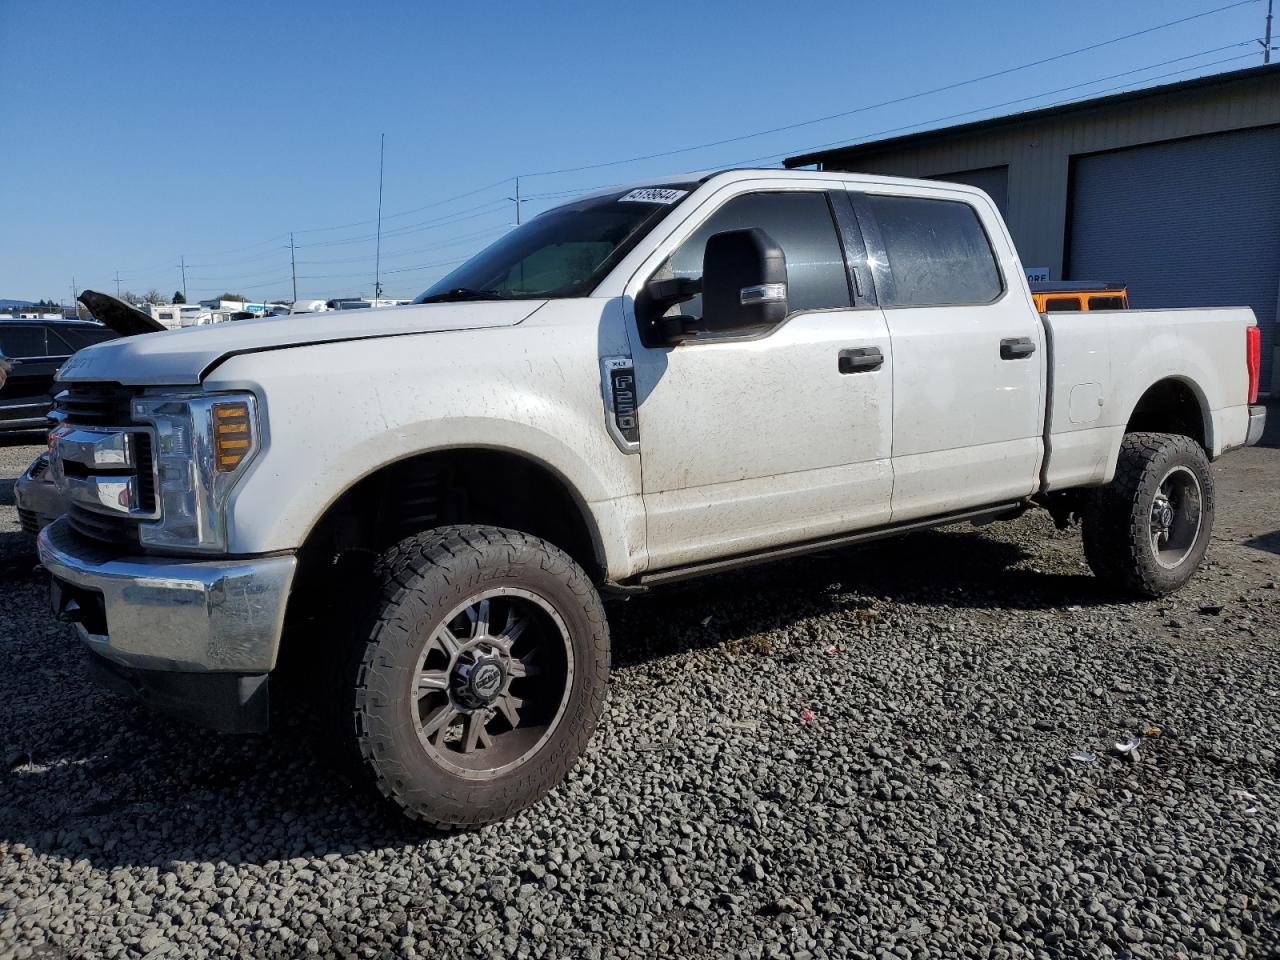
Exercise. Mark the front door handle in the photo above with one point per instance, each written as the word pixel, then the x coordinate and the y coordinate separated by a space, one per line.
pixel 861 359
pixel 1015 348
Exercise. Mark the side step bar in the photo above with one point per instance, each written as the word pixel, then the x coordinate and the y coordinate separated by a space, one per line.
pixel 673 574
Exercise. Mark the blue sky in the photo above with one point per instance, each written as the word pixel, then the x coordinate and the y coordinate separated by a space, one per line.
pixel 138 132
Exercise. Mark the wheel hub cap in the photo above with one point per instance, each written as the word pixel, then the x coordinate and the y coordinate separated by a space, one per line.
pixel 478 679
pixel 1162 514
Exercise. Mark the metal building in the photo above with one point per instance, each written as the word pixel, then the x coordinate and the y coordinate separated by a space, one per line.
pixel 1174 189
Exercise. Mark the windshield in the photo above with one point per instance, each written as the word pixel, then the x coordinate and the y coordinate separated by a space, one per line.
pixel 564 252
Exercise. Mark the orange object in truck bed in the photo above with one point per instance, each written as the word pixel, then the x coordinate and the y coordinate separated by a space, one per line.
pixel 1079 295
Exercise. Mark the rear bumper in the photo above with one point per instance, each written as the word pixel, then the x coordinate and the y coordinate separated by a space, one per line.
pixel 1257 424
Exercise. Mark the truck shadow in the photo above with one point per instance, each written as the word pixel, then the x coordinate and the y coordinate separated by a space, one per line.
pixel 116 785
pixel 955 569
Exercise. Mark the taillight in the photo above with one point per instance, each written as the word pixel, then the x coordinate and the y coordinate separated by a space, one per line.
pixel 1253 360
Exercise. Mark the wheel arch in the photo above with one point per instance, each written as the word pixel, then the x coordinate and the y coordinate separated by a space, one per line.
pixel 1173 404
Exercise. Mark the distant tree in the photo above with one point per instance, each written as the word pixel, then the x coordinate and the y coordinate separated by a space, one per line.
pixel 131 298
pixel 234 296
pixel 178 297
pixel 154 296
pixel 46 306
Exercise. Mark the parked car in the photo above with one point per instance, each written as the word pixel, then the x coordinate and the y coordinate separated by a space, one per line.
pixel 642 386
pixel 34 350
pixel 37 499
pixel 1079 296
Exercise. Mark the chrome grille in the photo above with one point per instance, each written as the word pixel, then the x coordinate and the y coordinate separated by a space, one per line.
pixel 94 404
pixel 103 409
pixel 99 526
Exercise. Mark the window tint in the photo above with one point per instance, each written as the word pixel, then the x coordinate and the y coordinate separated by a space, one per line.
pixel 58 347
pixel 1058 304
pixel 21 342
pixel 85 338
pixel 1106 303
pixel 938 253
pixel 800 222
pixel 561 253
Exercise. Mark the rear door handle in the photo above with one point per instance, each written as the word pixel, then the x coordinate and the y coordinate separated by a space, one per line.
pixel 861 359
pixel 1015 348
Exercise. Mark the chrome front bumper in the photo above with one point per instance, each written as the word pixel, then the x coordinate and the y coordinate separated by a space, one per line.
pixel 1257 424
pixel 169 613
pixel 38 500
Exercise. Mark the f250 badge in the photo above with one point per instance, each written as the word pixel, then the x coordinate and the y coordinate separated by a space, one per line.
pixel 623 402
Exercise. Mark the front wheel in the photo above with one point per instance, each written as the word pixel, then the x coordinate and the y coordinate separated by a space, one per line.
pixel 482 676
pixel 1147 531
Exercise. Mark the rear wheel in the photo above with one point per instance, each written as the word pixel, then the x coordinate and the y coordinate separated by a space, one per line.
pixel 483 674
pixel 1147 531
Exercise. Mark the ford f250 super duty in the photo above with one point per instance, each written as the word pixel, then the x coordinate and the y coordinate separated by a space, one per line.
pixel 650 383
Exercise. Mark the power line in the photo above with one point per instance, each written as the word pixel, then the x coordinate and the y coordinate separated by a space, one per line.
pixel 405 213
pixel 895 100
pixel 846 141
pixel 488 231
pixel 492 206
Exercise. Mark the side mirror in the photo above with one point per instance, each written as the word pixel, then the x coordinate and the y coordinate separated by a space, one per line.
pixel 744 281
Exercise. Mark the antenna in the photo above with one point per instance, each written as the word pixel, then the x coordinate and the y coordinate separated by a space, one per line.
pixel 377 261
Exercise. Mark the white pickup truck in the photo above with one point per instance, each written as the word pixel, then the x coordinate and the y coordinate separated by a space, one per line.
pixel 643 385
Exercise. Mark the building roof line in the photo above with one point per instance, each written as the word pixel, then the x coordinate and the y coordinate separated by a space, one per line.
pixel 1032 116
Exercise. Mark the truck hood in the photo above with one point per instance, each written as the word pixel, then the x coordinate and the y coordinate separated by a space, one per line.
pixel 182 357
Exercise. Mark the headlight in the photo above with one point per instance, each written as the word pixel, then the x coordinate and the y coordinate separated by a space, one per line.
pixel 203 445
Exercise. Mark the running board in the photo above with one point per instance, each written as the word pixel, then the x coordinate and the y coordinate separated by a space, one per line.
pixel 673 574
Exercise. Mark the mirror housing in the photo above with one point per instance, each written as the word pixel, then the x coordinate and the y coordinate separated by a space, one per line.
pixel 744 281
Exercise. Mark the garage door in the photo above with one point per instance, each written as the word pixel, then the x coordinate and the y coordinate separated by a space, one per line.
pixel 994 180
pixel 1189 223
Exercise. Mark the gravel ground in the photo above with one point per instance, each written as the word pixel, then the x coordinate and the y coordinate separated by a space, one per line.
pixel 866 754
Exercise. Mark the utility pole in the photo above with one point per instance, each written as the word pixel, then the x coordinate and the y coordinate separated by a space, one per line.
pixel 73 297
pixel 1266 43
pixel 182 262
pixel 117 284
pixel 293 264
pixel 377 262
pixel 517 201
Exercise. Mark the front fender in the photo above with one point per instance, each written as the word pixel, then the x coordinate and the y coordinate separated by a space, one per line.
pixel 431 395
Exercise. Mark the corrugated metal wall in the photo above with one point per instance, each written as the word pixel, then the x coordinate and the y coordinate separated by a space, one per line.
pixel 1038 154
pixel 1192 223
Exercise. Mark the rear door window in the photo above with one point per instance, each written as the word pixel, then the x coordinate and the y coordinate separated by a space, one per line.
pixel 938 253
pixel 58 345
pixel 1059 304
pixel 79 339
pixel 19 342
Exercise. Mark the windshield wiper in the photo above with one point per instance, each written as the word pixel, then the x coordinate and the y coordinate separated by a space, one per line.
pixel 463 293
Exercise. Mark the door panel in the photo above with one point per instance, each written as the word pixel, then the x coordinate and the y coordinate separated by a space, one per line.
pixel 967 416
pixel 751 444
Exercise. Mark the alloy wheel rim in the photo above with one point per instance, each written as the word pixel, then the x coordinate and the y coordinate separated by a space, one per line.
pixel 491 682
pixel 1176 517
